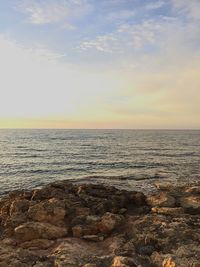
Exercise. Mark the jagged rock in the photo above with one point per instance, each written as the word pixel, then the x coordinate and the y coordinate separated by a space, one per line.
pixel 161 200
pixel 52 211
pixel 35 230
pixel 65 225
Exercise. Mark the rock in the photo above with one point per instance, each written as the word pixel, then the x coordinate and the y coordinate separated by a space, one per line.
pixel 161 200
pixel 35 230
pixel 37 244
pixel 89 265
pixel 193 190
pixel 19 206
pixel 146 250
pixel 109 222
pixel 92 219
pixel 52 211
pixel 82 211
pixel 168 263
pixel 120 261
pixel 91 237
pixel 122 211
pixel 9 242
pixel 138 198
pixel 168 211
pixel 77 231
pixel 191 204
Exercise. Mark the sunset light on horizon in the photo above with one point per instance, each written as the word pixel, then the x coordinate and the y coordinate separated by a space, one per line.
pixel 100 64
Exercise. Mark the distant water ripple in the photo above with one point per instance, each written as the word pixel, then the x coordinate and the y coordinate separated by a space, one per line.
pixel 30 158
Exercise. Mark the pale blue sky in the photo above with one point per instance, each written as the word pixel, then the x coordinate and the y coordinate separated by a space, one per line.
pixel 116 63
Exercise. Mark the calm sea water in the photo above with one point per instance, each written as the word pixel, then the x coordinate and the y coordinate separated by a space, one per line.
pixel 30 158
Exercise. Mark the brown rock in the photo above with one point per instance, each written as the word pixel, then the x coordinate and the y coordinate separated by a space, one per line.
pixel 109 222
pixel 161 200
pixel 191 204
pixel 138 198
pixel 19 206
pixel 36 230
pixel 37 244
pixel 89 265
pixel 168 263
pixel 120 261
pixel 168 211
pixel 91 238
pixel 77 231
pixel 52 211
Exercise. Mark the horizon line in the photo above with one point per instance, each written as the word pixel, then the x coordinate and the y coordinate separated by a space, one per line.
pixel 172 129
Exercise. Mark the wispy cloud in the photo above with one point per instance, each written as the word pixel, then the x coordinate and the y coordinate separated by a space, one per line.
pixel 127 37
pixel 45 12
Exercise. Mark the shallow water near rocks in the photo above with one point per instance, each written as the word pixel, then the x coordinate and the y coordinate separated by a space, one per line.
pixel 123 158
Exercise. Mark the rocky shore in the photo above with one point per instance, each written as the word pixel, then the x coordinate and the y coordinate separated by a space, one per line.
pixel 87 225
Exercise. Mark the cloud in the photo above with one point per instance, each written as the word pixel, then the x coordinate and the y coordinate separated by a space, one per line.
pixel 121 15
pixel 155 5
pixel 45 12
pixel 36 84
pixel 127 37
pixel 190 8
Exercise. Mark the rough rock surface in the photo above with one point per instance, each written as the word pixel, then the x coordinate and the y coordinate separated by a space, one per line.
pixel 71 225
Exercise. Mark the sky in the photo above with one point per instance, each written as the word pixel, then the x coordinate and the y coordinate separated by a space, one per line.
pixel 100 64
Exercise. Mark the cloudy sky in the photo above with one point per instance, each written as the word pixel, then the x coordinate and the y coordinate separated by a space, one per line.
pixel 100 64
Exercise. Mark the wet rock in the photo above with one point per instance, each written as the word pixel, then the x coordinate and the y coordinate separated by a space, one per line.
pixel 35 230
pixel 161 200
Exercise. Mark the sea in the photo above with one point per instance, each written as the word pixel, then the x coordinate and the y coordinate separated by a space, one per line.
pixel 127 159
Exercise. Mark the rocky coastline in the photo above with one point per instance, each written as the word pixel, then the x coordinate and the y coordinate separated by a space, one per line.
pixel 93 225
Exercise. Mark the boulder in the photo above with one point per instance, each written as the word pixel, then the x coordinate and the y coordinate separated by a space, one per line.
pixel 37 230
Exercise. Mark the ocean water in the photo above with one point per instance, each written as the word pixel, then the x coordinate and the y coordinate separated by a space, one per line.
pixel 31 158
